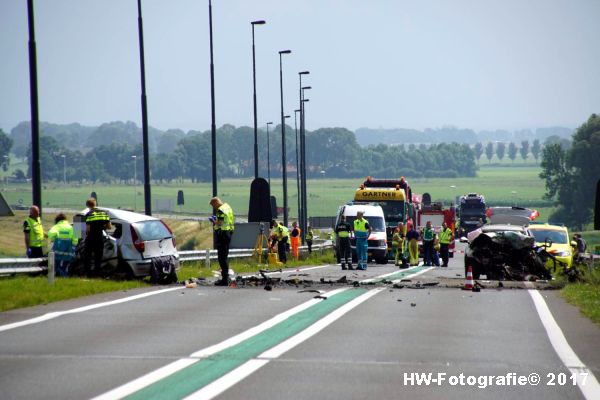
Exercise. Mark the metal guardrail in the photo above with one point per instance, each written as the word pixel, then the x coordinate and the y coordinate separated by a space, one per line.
pixel 12 266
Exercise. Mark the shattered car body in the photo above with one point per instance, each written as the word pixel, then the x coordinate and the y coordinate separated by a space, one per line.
pixel 506 252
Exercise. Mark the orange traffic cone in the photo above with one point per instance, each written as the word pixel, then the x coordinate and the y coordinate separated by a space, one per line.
pixel 469 279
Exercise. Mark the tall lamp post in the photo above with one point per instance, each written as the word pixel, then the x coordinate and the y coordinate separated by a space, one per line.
pixel 302 160
pixel 6 173
pixel 303 156
pixel 297 165
pixel 64 157
pixel 253 23
pixel 145 146
pixel 134 182
pixel 283 160
pixel 213 125
pixel 36 171
pixel 268 156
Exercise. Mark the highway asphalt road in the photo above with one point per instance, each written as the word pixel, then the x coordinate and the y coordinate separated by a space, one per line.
pixel 374 341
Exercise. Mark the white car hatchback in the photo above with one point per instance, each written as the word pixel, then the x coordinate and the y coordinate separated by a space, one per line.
pixel 137 245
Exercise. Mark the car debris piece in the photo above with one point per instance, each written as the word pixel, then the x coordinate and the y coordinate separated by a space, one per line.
pixel 397 286
pixel 311 291
pixel 413 304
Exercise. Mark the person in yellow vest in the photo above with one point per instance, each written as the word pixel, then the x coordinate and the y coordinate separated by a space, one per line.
pixel 63 242
pixel 282 234
pixel 343 230
pixel 223 224
pixel 96 222
pixel 309 238
pixel 295 240
pixel 362 231
pixel 34 235
pixel 399 245
pixel 446 237
pixel 412 238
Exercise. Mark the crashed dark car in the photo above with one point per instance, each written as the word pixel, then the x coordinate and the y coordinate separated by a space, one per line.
pixel 506 252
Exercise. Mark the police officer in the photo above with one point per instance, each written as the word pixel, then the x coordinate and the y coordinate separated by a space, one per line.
pixel 63 244
pixel 282 234
pixel 223 224
pixel 33 231
pixel 399 245
pixel 445 239
pixel 343 230
pixel 96 222
pixel 309 238
pixel 428 238
pixel 362 231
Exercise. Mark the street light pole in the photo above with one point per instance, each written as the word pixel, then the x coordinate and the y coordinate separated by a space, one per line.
pixel 255 112
pixel 64 157
pixel 268 156
pixel 145 145
pixel 302 160
pixel 297 166
pixel 303 155
pixel 283 160
pixel 36 171
pixel 134 182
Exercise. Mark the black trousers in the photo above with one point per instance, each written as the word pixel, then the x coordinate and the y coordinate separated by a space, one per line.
pixel 93 251
pixel 223 241
pixel 345 251
pixel 444 253
pixel 309 244
pixel 281 249
pixel 36 252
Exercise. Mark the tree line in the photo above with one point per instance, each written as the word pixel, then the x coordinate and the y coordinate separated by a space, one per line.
pixel 112 152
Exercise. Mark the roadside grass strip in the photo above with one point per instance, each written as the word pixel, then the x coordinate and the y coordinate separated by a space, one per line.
pixel 397 276
pixel 204 371
pixel 586 381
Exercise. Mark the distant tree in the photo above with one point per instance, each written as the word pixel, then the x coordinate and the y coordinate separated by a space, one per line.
pixel 524 149
pixel 500 150
pixel 489 151
pixel 5 145
pixel 478 151
pixel 536 149
pixel 512 151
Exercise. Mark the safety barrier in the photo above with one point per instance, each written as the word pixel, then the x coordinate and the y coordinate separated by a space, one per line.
pixel 12 266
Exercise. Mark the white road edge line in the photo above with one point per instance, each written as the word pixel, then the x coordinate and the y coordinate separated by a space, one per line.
pixel 386 275
pixel 57 314
pixel 218 386
pixel 169 369
pixel 589 386
pixel 413 275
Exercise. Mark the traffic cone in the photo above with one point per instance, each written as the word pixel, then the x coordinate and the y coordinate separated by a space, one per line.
pixel 469 279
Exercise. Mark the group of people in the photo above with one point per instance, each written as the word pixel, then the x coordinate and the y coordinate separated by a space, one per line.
pixel 362 231
pixel 405 243
pixel 62 240
pixel 281 237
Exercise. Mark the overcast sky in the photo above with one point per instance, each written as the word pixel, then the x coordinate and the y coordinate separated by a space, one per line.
pixel 477 64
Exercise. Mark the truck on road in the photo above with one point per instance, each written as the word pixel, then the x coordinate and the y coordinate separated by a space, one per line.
pixel 471 212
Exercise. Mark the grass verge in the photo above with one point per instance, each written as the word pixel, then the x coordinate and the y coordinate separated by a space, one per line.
pixel 586 294
pixel 26 291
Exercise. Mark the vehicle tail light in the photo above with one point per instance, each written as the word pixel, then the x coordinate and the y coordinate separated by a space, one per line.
pixel 171 232
pixel 534 214
pixel 137 243
pixel 488 212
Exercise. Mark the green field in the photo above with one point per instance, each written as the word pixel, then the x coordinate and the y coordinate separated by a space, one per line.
pixel 497 183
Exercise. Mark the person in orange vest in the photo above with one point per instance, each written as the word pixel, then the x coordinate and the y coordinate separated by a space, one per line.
pixel 295 240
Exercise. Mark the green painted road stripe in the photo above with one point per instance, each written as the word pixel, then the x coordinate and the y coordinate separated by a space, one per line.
pixel 200 374
pixel 398 275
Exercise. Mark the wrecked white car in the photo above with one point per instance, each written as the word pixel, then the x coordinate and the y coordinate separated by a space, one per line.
pixel 137 245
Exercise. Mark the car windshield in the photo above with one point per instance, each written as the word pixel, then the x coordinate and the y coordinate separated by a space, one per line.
pixel 541 235
pixel 376 223
pixel 152 230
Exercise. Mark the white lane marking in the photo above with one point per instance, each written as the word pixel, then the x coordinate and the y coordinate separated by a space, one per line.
pixel 57 314
pixel 218 386
pixel 413 275
pixel 169 369
pixel 228 380
pixel 590 386
pixel 386 275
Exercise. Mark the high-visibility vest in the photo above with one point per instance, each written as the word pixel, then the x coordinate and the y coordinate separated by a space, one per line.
pixel 309 235
pixel 360 225
pixel 36 232
pixel 225 214
pixel 428 234
pixel 282 232
pixel 97 215
pixel 445 236
pixel 343 230
pixel 64 240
